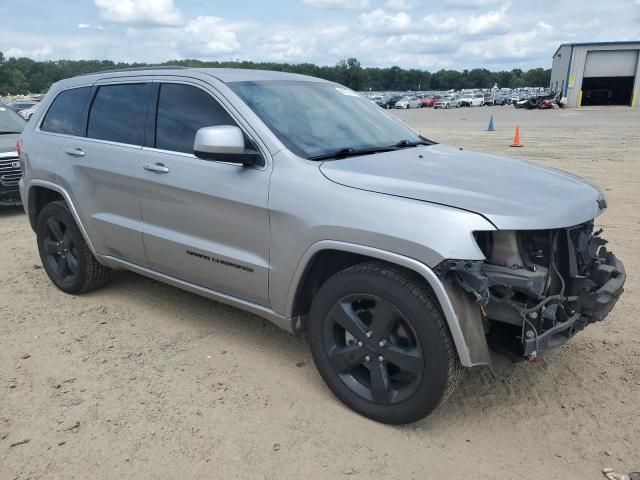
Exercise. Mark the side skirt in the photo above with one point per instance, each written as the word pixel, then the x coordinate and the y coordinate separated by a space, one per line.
pixel 260 310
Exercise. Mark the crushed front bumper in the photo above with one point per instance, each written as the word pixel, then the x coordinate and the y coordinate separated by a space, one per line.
pixel 523 308
pixel 590 307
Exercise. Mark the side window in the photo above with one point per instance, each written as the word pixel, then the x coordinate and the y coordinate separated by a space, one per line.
pixel 65 112
pixel 118 114
pixel 182 111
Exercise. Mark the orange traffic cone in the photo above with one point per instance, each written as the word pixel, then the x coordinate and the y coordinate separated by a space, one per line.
pixel 516 138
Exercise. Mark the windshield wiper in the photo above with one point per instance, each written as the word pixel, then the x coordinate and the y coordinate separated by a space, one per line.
pixel 7 133
pixel 409 143
pixel 352 152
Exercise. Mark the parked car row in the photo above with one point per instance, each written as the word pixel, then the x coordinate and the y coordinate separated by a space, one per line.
pixel 445 101
pixel 452 98
pixel 408 102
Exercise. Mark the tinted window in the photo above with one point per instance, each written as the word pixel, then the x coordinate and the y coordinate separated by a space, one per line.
pixel 182 111
pixel 118 114
pixel 65 113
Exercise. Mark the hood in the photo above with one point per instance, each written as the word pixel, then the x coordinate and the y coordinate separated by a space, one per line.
pixel 8 143
pixel 511 194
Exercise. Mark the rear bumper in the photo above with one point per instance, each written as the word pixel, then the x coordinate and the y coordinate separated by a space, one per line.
pixel 591 307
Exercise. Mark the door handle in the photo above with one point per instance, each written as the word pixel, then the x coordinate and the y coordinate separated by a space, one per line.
pixel 155 167
pixel 75 152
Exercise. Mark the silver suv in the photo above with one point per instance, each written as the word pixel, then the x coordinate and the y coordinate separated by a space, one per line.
pixel 298 200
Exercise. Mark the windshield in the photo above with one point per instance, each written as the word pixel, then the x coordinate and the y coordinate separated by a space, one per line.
pixel 10 122
pixel 313 119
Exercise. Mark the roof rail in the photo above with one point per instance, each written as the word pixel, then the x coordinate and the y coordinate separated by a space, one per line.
pixel 134 69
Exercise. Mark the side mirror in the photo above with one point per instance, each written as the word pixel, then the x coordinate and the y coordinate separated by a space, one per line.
pixel 224 143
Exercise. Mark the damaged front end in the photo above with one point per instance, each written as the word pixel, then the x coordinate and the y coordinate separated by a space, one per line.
pixel 534 290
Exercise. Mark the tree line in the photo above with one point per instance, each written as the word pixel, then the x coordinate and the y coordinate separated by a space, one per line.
pixel 24 75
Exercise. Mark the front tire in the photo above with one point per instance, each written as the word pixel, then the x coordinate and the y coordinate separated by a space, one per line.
pixel 381 343
pixel 65 255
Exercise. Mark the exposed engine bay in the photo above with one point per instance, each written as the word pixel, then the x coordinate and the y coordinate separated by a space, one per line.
pixel 536 289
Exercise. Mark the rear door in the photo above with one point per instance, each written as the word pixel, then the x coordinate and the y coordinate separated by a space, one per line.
pixel 100 169
pixel 205 221
pixel 63 120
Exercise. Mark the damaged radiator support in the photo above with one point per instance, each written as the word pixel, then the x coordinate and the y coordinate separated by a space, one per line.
pixel 536 289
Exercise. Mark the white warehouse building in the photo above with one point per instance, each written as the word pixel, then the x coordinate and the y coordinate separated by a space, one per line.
pixel 598 73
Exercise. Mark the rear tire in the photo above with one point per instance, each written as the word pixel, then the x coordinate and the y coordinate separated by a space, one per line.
pixel 65 255
pixel 381 343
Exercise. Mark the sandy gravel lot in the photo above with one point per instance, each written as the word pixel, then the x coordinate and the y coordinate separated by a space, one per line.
pixel 141 380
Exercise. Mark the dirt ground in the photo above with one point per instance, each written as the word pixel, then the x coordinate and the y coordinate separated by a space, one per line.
pixel 141 380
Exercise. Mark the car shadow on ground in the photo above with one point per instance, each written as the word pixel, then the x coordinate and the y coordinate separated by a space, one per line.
pixel 11 211
pixel 202 313
pixel 509 390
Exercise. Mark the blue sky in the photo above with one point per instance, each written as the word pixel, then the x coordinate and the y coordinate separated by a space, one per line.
pixel 495 34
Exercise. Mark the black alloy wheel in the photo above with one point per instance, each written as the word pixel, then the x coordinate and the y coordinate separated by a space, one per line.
pixel 65 255
pixel 373 349
pixel 60 252
pixel 381 343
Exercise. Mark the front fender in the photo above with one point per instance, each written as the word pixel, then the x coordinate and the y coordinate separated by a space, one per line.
pixel 467 336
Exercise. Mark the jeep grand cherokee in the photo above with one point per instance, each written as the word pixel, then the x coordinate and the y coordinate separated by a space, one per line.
pixel 299 200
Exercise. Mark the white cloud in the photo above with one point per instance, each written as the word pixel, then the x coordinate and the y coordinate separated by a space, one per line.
pixel 142 12
pixel 470 3
pixel 492 35
pixel 380 21
pixel 84 26
pixel 211 36
pixel 284 45
pixel 402 5
pixel 544 25
pixel 490 23
pixel 338 4
pixel 41 52
pixel 14 52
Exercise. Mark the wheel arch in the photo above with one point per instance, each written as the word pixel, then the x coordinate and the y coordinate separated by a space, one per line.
pixel 327 257
pixel 38 197
pixel 42 192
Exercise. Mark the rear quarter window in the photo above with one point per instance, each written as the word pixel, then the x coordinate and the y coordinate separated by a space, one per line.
pixel 65 113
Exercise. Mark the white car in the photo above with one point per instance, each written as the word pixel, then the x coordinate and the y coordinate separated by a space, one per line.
pixel 447 102
pixel 28 113
pixel 408 102
pixel 472 100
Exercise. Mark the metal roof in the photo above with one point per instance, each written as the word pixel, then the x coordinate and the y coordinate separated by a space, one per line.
pixel 589 44
pixel 222 74
pixel 133 69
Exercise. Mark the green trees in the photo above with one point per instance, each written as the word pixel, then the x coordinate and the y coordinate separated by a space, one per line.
pixel 23 75
pixel 350 73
